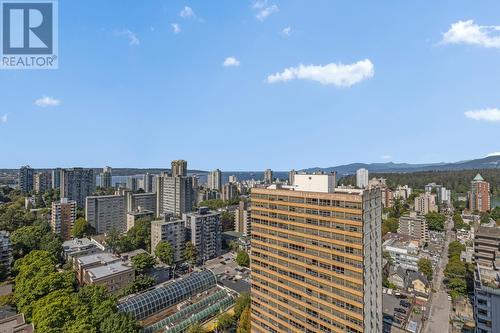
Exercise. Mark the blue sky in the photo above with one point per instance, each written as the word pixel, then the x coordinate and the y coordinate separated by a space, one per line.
pixel 393 81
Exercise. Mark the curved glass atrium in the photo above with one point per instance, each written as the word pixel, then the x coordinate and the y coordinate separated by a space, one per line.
pixel 152 301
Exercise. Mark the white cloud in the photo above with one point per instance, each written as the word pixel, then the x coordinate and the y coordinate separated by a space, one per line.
pixel 231 62
pixel 266 11
pixel 337 74
pixel 467 32
pixel 131 36
pixel 489 114
pixel 286 31
pixel 259 4
pixel 46 101
pixel 3 119
pixel 187 12
pixel 176 28
pixel 493 154
pixel 386 157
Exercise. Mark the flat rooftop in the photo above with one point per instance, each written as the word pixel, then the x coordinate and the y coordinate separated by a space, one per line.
pixel 104 258
pixel 107 270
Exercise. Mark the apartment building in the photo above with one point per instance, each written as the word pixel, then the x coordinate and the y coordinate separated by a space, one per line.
pixel 77 184
pixel 215 180
pixel 42 181
pixel 104 269
pixel 204 230
pixel 487 246
pixel 425 203
pixel 179 168
pixel 415 226
pixel 26 179
pixel 479 195
pixel 243 218
pixel 172 230
pixel 361 178
pixel 316 259
pixel 107 212
pixel 174 194
pixel 229 192
pixel 63 215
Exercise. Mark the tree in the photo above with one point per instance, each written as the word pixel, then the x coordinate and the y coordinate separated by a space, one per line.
pixel 113 239
pixel 397 209
pixel 454 249
pixel 143 262
pixel 485 218
pixel 119 322
pixel 224 322
pixel 435 221
pixel 390 225
pixel 243 259
pixel 227 221
pixel 37 277
pixel 80 228
pixel 242 302
pixel 165 252
pixel 458 222
pixel 234 246
pixel 140 283
pixel 244 324
pixel 196 328
pixel 55 311
pixel 425 266
pixel 190 254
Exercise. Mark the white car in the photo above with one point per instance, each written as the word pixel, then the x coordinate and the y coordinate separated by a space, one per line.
pixel 449 298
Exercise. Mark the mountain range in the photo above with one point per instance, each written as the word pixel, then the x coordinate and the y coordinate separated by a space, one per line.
pixel 490 162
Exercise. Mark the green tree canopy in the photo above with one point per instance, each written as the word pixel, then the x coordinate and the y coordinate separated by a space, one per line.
pixel 190 254
pixel 224 322
pixel 80 228
pixel 165 252
pixel 242 302
pixel 244 324
pixel 196 328
pixel 425 266
pixel 435 221
pixel 143 262
pixel 243 259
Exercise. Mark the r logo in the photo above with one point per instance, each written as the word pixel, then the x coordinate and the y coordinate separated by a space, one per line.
pixel 27 28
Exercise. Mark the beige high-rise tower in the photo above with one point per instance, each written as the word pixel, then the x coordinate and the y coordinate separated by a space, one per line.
pixel 179 168
pixel 316 258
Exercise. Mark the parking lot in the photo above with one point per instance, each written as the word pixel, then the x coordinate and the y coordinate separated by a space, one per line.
pixel 396 312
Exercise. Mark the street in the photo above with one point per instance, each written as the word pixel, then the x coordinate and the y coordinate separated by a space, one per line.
pixel 439 305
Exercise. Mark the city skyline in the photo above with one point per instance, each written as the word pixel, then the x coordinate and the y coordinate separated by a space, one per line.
pixel 271 69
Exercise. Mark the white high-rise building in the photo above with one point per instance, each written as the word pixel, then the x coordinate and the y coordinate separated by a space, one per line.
pixel 362 178
pixel 107 212
pixel 174 194
pixel 215 180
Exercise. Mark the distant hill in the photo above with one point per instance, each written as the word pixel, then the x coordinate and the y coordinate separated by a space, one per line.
pixel 490 162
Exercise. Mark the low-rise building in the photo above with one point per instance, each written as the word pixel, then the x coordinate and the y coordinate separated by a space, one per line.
pixel 79 247
pixel 16 324
pixel 81 264
pixel 404 253
pixel 114 276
